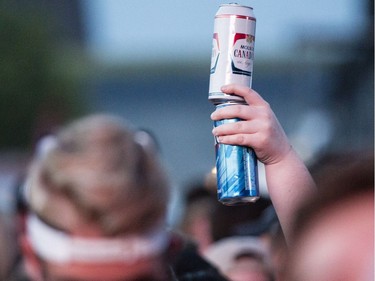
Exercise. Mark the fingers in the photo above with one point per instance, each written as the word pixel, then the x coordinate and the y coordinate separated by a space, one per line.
pixel 240 127
pixel 240 111
pixel 232 111
pixel 238 139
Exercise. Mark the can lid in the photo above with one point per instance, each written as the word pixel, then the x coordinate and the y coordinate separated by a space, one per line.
pixel 235 9
pixel 233 4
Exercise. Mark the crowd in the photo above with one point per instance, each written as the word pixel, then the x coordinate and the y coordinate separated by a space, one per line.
pixel 94 203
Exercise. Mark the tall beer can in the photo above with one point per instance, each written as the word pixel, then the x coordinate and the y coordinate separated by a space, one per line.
pixel 236 170
pixel 232 50
pixel 232 62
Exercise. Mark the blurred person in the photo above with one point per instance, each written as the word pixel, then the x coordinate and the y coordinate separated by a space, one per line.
pixel 334 231
pixel 97 199
pixel 241 258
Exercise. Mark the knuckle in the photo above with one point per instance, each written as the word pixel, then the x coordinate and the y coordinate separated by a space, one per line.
pixel 241 139
pixel 238 126
pixel 237 110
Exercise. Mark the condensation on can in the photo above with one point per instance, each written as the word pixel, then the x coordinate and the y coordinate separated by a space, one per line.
pixel 232 50
pixel 236 171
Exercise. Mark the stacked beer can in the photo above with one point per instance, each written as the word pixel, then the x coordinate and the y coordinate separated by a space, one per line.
pixel 232 62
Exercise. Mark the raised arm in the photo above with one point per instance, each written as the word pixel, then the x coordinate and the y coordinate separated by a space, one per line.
pixel 288 180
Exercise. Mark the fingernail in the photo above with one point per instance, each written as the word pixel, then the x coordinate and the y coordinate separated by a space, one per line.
pixel 224 88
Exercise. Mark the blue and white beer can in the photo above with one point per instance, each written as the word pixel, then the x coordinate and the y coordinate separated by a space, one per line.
pixel 236 171
pixel 232 50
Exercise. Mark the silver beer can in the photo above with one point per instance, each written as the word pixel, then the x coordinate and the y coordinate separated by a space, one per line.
pixel 236 170
pixel 232 50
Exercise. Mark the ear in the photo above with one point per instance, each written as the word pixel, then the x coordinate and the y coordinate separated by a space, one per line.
pixel 32 263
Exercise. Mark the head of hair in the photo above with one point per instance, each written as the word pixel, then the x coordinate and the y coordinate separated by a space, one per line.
pixel 109 177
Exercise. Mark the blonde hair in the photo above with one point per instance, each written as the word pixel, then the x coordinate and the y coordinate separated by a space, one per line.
pixel 110 178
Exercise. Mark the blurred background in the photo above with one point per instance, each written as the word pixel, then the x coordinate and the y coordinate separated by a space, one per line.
pixel 149 62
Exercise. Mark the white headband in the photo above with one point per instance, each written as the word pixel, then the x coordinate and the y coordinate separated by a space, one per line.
pixel 57 246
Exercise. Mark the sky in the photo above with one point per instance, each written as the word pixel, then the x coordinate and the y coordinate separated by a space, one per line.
pixel 123 30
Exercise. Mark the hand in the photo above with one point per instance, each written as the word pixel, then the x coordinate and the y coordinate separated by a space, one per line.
pixel 259 129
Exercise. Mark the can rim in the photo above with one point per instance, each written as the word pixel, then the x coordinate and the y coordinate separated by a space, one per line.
pixel 236 5
pixel 235 16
